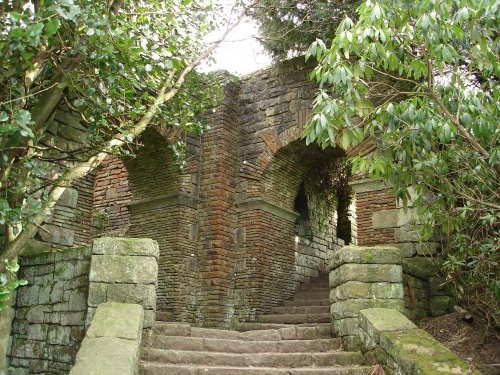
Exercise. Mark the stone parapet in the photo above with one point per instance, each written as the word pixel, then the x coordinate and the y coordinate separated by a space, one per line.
pixel 361 278
pixel 394 341
pixel 111 345
pixel 124 270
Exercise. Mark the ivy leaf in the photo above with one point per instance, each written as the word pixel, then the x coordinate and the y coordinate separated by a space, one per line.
pixel 52 26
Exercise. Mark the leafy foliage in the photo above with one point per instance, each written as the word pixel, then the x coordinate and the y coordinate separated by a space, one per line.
pixel 9 282
pixel 121 66
pixel 289 27
pixel 420 84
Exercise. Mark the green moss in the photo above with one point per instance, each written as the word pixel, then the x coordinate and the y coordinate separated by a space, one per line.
pixel 417 352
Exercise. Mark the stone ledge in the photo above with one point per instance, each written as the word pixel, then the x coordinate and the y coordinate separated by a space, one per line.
pixel 376 320
pixel 126 246
pixel 365 255
pixel 367 184
pixel 408 350
pixel 260 204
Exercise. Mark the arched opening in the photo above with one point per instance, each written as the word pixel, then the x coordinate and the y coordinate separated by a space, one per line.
pixel 147 196
pixel 291 234
pixel 303 223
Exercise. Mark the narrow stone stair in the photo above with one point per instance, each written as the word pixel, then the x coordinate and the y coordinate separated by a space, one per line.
pixel 293 339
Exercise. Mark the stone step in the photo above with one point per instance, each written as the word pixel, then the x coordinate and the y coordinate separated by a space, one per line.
pixel 243 346
pixel 315 288
pixel 305 331
pixel 300 309
pixel 303 294
pixel 340 358
pixel 308 302
pixel 295 318
pixel 169 369
pixel 164 316
pixel 248 331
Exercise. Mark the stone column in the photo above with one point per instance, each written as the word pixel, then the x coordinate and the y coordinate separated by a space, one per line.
pixel 124 270
pixel 362 278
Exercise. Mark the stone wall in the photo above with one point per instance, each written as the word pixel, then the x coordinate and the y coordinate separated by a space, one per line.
pixel 124 270
pixel 49 317
pixel 70 222
pixel 382 220
pixel 361 278
pixel 403 349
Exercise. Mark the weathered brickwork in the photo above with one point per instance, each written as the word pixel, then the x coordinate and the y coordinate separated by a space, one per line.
pixel 112 197
pixel 226 224
pixel 217 213
pixel 49 318
pixel 248 219
pixel 367 203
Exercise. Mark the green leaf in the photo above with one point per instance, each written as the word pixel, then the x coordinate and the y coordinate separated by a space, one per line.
pixel 52 26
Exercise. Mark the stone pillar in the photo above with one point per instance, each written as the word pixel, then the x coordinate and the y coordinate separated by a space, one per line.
pixel 124 270
pixel 362 278
pixel 218 215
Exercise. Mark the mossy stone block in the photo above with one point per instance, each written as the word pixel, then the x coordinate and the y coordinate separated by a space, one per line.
pixel 365 255
pixel 106 355
pixel 122 320
pixel 374 321
pixel 350 308
pixel 367 273
pixel 421 267
pixel 123 269
pixel 418 353
pixel 126 246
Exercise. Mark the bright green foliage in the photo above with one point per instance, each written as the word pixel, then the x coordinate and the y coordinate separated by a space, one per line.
pixel 108 62
pixel 8 283
pixel 421 84
pixel 288 27
pixel 111 67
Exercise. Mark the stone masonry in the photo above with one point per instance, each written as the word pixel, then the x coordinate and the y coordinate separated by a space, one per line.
pixel 124 270
pixel 361 278
pixel 49 319
pixel 246 221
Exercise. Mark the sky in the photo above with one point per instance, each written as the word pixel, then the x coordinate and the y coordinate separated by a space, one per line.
pixel 241 53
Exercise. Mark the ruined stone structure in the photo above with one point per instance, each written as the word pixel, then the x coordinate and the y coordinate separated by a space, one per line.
pixel 247 220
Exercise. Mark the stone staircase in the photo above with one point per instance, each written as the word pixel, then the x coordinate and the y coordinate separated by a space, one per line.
pixel 293 339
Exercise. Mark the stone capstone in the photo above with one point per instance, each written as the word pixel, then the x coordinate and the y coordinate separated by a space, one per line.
pixel 365 255
pixel 126 246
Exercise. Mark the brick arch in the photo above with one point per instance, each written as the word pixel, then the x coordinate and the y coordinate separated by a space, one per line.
pixel 148 196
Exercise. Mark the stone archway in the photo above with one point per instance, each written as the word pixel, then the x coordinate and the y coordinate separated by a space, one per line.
pixel 276 258
pixel 149 196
